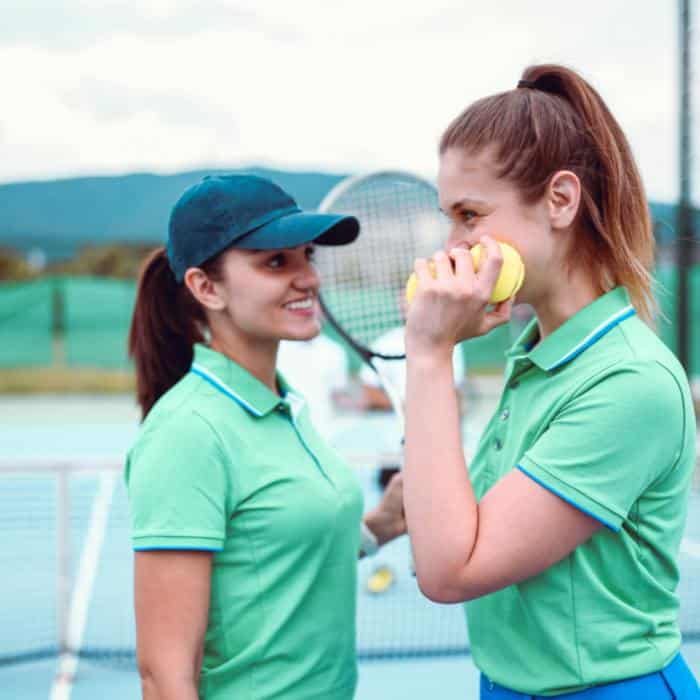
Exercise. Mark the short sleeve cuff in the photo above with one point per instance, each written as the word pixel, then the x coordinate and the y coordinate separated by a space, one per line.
pixel 158 542
pixel 600 512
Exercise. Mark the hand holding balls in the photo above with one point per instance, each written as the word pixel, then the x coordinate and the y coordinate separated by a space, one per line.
pixel 509 280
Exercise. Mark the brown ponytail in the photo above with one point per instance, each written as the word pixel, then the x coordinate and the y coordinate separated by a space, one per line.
pixel 557 121
pixel 166 323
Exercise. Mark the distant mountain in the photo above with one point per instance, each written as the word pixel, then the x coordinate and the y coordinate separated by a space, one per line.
pixel 59 216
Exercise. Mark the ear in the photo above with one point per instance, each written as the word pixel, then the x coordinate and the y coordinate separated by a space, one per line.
pixel 203 289
pixel 563 198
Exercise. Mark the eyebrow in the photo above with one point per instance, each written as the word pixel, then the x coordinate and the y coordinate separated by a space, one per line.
pixel 467 202
pixel 261 251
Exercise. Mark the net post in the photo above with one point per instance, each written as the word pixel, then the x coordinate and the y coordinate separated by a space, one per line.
pixel 685 249
pixel 58 322
pixel 63 558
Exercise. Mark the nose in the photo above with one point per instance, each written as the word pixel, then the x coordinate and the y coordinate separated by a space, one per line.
pixel 458 237
pixel 308 278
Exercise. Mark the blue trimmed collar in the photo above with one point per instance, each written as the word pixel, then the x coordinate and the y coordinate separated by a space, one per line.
pixel 577 334
pixel 240 385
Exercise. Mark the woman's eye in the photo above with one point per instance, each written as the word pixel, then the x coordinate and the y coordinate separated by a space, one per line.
pixel 276 261
pixel 310 253
pixel 468 214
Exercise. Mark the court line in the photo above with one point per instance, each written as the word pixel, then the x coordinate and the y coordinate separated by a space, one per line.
pixel 68 663
pixel 690 547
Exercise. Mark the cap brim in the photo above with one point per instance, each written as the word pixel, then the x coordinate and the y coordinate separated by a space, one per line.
pixel 304 227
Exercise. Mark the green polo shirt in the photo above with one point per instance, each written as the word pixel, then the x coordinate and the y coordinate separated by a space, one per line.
pixel 224 464
pixel 599 413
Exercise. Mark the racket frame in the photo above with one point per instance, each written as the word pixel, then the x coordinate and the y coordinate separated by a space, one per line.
pixel 367 355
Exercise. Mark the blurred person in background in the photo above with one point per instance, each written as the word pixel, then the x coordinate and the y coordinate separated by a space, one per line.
pixel 246 526
pixel 366 394
pixel 563 532
pixel 318 368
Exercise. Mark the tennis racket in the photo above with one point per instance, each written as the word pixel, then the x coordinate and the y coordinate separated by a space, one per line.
pixel 363 283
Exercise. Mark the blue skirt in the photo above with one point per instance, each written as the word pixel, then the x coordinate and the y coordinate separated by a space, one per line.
pixel 674 682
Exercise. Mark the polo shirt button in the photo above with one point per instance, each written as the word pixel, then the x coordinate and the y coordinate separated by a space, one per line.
pixel 497 444
pixel 505 414
pixel 490 685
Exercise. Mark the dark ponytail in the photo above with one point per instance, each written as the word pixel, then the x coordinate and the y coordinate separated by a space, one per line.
pixel 554 120
pixel 166 323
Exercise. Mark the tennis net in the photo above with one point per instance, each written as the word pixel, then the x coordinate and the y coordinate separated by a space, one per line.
pixel 67 581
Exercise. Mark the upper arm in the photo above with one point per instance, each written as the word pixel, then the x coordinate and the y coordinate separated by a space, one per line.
pixel 171 597
pixel 179 502
pixel 584 472
pixel 523 530
pixel 610 442
pixel 178 484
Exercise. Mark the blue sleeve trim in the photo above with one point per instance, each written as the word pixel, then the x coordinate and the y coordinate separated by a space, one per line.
pixel 179 549
pixel 610 526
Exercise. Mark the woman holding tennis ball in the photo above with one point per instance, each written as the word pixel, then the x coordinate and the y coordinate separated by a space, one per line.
pixel 563 531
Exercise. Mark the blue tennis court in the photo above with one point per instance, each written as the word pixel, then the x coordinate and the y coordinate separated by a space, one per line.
pixel 73 582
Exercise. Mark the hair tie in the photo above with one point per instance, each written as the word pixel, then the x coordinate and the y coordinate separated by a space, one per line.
pixel 527 84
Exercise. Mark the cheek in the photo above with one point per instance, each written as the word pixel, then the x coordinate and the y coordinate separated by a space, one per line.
pixel 250 306
pixel 528 229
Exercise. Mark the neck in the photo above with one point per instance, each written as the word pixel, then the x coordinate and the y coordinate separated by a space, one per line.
pixel 259 357
pixel 554 308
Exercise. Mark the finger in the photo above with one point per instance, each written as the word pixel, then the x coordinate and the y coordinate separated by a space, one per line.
pixel 422 270
pixel 501 314
pixel 443 266
pixel 396 480
pixel 490 266
pixel 463 263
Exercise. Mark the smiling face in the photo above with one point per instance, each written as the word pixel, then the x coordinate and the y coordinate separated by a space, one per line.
pixel 273 294
pixel 263 296
pixel 479 203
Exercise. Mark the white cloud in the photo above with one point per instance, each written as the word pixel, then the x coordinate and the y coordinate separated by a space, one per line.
pixel 114 86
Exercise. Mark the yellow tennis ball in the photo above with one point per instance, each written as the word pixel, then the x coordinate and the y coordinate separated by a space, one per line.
pixel 509 280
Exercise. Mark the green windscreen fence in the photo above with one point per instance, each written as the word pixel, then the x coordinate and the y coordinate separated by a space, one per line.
pixel 97 317
pixel 666 326
pixel 26 318
pixel 65 321
pixel 83 322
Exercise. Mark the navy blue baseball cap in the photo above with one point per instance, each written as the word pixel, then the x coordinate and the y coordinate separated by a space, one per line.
pixel 245 211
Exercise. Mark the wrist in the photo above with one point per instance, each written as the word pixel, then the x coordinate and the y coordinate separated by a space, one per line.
pixel 436 361
pixel 420 345
pixel 369 545
pixel 383 527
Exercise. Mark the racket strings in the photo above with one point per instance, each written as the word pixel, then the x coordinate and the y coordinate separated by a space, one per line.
pixel 363 283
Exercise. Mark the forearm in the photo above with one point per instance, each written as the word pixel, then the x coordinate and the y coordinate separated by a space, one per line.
pixel 441 509
pixel 165 686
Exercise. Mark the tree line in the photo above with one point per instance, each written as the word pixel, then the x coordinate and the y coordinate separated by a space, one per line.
pixel 115 260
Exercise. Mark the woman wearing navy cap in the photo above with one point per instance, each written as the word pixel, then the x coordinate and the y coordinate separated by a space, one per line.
pixel 246 525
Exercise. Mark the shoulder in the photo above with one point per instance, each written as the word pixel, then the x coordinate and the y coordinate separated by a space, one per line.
pixel 634 365
pixel 174 434
pixel 638 385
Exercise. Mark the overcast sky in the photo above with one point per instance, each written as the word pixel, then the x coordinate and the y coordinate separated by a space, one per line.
pixel 92 87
